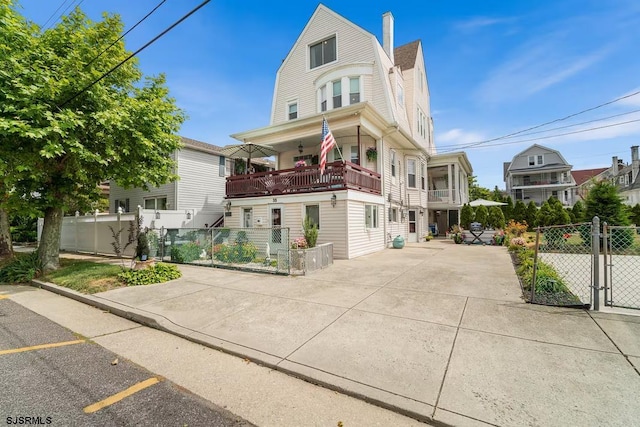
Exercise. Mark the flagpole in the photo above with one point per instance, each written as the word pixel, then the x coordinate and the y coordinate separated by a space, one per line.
pixel 337 148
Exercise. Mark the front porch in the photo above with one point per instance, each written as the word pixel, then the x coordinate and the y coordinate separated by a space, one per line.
pixel 306 179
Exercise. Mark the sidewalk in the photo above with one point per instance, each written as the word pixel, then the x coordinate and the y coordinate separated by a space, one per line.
pixel 436 331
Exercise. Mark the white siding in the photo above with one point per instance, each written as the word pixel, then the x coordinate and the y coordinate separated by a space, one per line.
pixel 364 240
pixel 201 187
pixel 136 196
pixel 354 47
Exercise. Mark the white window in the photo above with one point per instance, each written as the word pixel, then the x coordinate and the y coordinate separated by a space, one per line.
pixel 313 212
pixel 423 176
pixel 371 216
pixel 411 173
pixel 393 163
pixel 393 214
pixel 400 95
pixel 155 203
pixel 247 217
pixel 532 160
pixel 354 155
pixel 539 159
pixel 323 98
pixel 292 110
pixel 422 123
pixel 323 52
pixel 354 90
pixel 536 160
pixel 337 94
pixel 122 203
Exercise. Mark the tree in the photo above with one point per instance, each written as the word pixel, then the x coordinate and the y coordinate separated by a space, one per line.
pixel 467 216
pixel 122 128
pixel 577 212
pixel 482 215
pixel 475 191
pixel 507 210
pixel 603 201
pixel 496 217
pixel 531 215
pixel 519 212
pixel 552 213
pixel 634 214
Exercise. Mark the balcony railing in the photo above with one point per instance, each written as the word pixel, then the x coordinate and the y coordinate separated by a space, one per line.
pixel 446 197
pixel 306 179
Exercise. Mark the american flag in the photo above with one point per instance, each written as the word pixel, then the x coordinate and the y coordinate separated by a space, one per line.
pixel 327 144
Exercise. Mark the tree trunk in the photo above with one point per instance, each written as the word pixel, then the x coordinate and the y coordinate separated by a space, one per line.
pixel 6 247
pixel 49 249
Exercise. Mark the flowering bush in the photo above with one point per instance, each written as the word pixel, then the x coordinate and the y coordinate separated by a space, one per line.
pixel 517 243
pixel 301 163
pixel 516 228
pixel 299 243
pixel 498 237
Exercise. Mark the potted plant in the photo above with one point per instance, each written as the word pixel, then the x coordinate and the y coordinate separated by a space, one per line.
pixel 301 163
pixel 372 154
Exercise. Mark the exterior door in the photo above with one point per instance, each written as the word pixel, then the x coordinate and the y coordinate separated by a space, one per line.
pixel 278 238
pixel 247 218
pixel 413 226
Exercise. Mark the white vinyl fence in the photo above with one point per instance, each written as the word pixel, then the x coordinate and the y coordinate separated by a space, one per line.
pixel 96 233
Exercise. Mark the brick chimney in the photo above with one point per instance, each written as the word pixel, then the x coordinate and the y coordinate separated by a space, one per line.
pixel 387 35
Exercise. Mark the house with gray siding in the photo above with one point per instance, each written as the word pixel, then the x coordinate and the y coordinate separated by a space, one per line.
pixel 375 99
pixel 198 192
pixel 538 173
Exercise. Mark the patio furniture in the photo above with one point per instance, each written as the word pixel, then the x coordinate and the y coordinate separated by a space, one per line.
pixel 476 231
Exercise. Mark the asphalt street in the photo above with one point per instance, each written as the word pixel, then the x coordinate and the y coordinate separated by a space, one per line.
pixel 51 376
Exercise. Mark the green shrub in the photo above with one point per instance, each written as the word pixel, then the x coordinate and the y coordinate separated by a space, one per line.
pixel 23 268
pixel 188 252
pixel 238 253
pixel 310 231
pixel 159 273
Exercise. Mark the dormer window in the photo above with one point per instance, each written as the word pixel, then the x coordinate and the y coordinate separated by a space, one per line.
pixel 536 160
pixel 354 90
pixel 323 52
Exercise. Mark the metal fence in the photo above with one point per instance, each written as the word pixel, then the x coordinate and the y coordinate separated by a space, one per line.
pixel 621 247
pixel 251 249
pixel 563 267
pixel 304 261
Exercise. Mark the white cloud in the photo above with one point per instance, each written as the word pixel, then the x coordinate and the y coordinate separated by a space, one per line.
pixel 456 137
pixel 478 22
pixel 631 101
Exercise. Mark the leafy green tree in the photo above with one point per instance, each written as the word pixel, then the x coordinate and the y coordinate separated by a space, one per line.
pixel 496 217
pixel 467 216
pixel 603 201
pixel 122 128
pixel 475 191
pixel 552 213
pixel 531 215
pixel 634 214
pixel 577 212
pixel 519 212
pixel 507 210
pixel 482 215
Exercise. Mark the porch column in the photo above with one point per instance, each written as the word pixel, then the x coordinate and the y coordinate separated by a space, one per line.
pixel 457 198
pixel 450 181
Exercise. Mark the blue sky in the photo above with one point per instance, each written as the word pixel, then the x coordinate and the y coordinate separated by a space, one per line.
pixel 494 67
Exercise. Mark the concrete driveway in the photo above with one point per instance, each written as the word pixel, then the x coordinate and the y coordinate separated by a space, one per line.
pixel 437 331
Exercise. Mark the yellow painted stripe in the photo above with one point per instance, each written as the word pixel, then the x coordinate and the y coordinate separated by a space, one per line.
pixel 40 347
pixel 119 396
pixel 4 296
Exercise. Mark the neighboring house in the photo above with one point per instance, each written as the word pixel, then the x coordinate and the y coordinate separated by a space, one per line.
pixel 538 173
pixel 199 191
pixel 627 178
pixel 584 179
pixel 376 101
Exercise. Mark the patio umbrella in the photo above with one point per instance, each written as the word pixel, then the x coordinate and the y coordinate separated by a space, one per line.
pixel 248 150
pixel 485 202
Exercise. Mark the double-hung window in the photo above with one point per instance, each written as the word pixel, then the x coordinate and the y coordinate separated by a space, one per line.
pixel 337 94
pixel 393 163
pixel 293 110
pixel 371 216
pixel 354 90
pixel 323 52
pixel 313 213
pixel 422 176
pixel 323 98
pixel 411 173
pixel 156 203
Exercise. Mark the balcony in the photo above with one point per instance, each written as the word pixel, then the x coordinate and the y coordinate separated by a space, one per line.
pixel 445 197
pixel 306 179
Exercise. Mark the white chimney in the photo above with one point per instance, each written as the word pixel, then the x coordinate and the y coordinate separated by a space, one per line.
pixel 614 165
pixel 387 35
pixel 635 163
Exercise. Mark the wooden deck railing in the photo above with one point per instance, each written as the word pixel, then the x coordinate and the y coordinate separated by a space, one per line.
pixel 306 179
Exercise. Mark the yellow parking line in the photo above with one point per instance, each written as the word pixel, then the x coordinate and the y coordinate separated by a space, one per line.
pixel 40 347
pixel 119 396
pixel 4 296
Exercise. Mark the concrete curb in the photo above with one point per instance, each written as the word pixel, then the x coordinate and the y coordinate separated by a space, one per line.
pixel 160 323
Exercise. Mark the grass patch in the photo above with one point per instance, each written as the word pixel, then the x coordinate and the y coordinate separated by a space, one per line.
pixel 85 276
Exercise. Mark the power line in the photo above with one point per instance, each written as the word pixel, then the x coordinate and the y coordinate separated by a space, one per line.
pixel 473 144
pixel 456 146
pixel 127 32
pixel 553 136
pixel 63 12
pixel 54 13
pixel 175 24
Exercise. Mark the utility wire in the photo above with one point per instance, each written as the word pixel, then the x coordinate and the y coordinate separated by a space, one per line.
pixel 63 12
pixel 457 146
pixel 54 13
pixel 124 35
pixel 175 24
pixel 552 136
pixel 473 144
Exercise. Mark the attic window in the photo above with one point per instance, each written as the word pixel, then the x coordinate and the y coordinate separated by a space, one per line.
pixel 323 52
pixel 536 160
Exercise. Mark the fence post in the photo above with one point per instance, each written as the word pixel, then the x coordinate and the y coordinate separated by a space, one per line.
pixel 76 231
pixel 162 233
pixel 595 246
pixel 605 245
pixel 535 266
pixel 95 232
